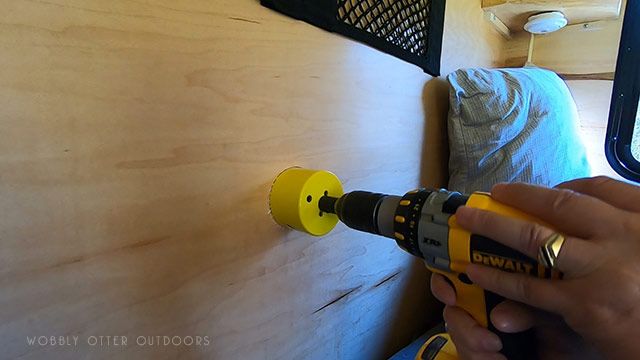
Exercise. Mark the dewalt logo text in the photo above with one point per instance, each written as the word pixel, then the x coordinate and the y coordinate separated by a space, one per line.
pixel 502 263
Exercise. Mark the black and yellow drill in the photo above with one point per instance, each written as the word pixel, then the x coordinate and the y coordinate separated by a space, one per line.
pixel 423 223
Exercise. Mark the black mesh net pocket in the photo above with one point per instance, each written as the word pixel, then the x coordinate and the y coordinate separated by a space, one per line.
pixel 408 29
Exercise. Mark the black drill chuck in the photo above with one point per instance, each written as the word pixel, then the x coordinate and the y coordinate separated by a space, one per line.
pixel 358 209
pixel 363 210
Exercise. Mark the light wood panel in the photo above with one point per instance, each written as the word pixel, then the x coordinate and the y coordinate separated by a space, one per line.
pixel 514 13
pixel 469 39
pixel 593 99
pixel 138 142
pixel 580 49
pixel 586 51
pixel 516 49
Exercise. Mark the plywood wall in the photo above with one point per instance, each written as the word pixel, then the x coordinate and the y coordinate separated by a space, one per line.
pixel 590 48
pixel 469 39
pixel 138 142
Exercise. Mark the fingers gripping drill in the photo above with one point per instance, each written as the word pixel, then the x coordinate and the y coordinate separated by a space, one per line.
pixel 422 222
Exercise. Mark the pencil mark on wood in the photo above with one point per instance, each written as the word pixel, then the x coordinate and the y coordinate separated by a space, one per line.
pixel 337 299
pixel 388 278
pixel 146 242
pixel 73 260
pixel 243 19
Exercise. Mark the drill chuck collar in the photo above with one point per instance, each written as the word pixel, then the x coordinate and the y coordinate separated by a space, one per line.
pixel 358 209
pixel 400 218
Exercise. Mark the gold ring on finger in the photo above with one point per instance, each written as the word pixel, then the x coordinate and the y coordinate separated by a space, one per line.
pixel 548 253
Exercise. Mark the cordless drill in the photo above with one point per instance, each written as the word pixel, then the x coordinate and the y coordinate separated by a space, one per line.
pixel 423 223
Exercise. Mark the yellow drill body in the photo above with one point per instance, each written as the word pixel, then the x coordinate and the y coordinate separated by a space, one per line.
pixel 465 248
pixel 423 223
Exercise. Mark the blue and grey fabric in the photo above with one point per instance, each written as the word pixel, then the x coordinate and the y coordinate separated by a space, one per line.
pixel 510 125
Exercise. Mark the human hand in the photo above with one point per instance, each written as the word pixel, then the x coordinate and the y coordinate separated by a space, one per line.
pixel 596 304
pixel 555 340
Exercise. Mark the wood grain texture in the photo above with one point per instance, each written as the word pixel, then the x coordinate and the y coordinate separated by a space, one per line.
pixel 515 13
pixel 138 142
pixel 516 49
pixel 580 49
pixel 469 39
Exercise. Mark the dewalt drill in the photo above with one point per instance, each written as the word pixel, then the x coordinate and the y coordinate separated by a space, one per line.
pixel 423 223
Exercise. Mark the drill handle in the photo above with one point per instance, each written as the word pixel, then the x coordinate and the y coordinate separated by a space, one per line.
pixel 479 304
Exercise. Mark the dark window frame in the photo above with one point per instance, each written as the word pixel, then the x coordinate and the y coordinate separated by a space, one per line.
pixel 625 98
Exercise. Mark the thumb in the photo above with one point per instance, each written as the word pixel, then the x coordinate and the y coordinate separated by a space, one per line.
pixel 512 317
